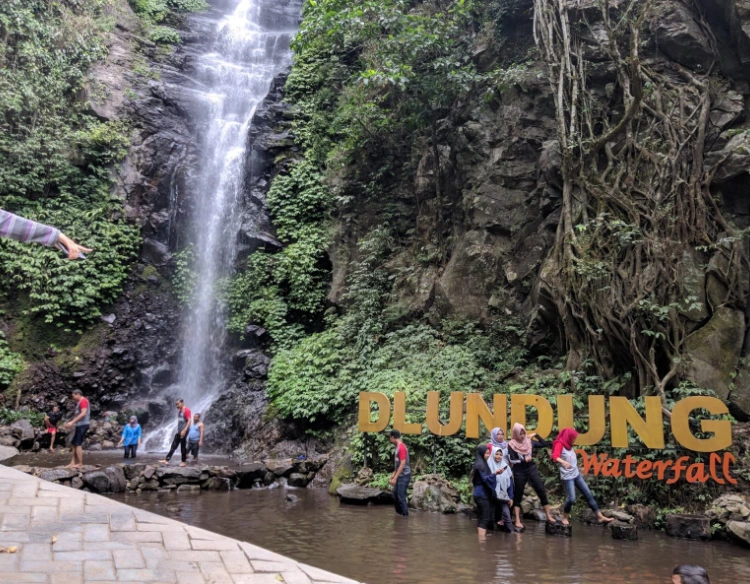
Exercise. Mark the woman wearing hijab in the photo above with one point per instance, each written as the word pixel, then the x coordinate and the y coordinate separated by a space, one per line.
pixel 131 437
pixel 564 455
pixel 484 490
pixel 497 440
pixel 520 450
pixel 499 466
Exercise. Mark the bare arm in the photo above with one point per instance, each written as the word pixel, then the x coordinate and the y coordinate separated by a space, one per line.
pixel 200 442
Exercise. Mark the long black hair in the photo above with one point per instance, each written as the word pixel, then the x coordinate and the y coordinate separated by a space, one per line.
pixel 480 464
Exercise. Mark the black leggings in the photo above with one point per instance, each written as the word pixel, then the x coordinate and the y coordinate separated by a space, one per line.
pixel 485 513
pixel 523 473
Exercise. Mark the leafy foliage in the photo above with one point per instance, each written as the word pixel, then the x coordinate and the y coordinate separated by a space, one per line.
pixel 10 363
pixel 155 14
pixel 287 290
pixel 56 157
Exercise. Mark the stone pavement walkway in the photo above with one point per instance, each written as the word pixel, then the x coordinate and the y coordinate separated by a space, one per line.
pixel 99 540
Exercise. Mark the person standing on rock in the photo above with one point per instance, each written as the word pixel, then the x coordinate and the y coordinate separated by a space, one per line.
pixel 27 231
pixel 184 421
pixel 81 423
pixel 401 475
pixel 564 455
pixel 520 450
pixel 195 436
pixel 51 421
pixel 131 437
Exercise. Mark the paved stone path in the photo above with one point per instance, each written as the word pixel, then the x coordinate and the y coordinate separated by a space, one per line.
pixel 100 540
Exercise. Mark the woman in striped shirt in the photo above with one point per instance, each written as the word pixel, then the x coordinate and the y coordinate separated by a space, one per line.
pixel 25 230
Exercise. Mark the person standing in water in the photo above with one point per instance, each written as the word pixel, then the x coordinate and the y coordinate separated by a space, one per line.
pixel 520 451
pixel 51 421
pixel 564 455
pixel 81 423
pixel 401 474
pixel 499 466
pixel 27 231
pixel 195 437
pixel 131 437
pixel 484 482
pixel 184 420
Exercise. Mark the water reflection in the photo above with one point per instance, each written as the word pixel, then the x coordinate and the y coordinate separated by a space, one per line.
pixel 374 545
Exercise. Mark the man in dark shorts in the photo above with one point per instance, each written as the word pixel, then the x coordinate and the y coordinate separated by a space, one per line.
pixel 51 421
pixel 195 436
pixel 180 438
pixel 401 474
pixel 81 423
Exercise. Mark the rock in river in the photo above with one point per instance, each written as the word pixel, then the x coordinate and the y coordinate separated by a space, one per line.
pixel 363 495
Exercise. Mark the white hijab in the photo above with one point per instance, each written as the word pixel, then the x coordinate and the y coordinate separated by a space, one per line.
pixel 503 479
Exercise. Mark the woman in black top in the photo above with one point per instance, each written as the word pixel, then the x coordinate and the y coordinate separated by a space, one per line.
pixel 484 490
pixel 520 451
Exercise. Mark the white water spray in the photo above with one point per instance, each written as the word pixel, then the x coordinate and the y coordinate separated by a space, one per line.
pixel 251 47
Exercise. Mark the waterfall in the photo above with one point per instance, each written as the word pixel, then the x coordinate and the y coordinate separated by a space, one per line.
pixel 249 47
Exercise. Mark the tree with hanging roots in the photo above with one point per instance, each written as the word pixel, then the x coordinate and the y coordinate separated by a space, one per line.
pixel 637 213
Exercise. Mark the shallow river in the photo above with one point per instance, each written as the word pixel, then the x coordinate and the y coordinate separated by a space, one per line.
pixel 373 545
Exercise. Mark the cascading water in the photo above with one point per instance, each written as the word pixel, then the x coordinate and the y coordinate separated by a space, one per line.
pixel 250 47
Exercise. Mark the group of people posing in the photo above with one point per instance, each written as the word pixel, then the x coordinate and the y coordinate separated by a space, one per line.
pixel 189 435
pixel 503 468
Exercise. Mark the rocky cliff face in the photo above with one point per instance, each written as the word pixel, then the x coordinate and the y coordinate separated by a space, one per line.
pixel 127 360
pixel 501 167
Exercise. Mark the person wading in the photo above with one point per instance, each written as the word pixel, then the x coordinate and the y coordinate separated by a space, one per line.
pixel 499 466
pixel 131 437
pixel 401 475
pixel 195 436
pixel 51 421
pixel 564 455
pixel 81 422
pixel 520 450
pixel 484 482
pixel 27 231
pixel 184 420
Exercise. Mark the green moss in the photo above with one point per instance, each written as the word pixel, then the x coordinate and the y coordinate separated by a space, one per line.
pixel 344 474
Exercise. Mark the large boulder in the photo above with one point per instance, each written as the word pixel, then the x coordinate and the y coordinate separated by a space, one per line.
pixel 688 526
pixel 729 507
pixel 280 468
pixel 357 494
pixel 739 531
pixel 715 351
pixel 23 431
pixel 681 38
pixel 7 452
pixel 433 493
pixel 108 480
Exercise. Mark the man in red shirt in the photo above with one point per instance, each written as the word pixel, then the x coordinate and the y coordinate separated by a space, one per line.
pixel 401 474
pixel 184 420
pixel 81 423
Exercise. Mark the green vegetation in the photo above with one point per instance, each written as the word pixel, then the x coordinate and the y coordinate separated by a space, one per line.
pixel 10 363
pixel 161 18
pixel 57 159
pixel 8 416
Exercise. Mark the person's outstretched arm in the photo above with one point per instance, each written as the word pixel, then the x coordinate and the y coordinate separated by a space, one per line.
pixel 27 231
